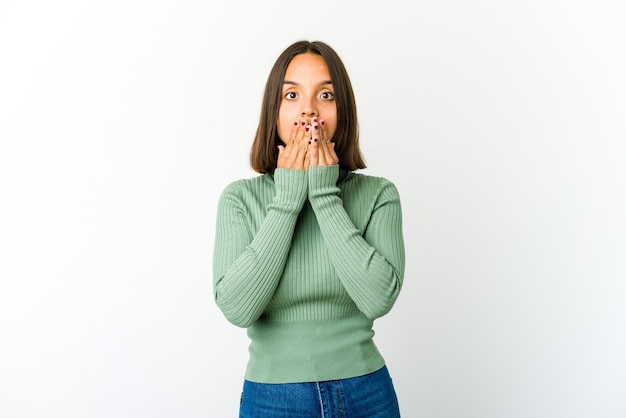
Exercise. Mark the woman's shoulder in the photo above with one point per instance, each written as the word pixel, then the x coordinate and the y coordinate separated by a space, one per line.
pixel 366 187
pixel 255 182
pixel 245 187
pixel 368 180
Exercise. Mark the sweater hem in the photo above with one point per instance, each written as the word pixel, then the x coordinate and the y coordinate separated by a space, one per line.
pixel 312 351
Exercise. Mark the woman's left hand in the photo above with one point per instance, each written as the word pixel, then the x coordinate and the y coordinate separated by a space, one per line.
pixel 321 150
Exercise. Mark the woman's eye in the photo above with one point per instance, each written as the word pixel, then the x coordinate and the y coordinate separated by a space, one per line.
pixel 290 95
pixel 328 95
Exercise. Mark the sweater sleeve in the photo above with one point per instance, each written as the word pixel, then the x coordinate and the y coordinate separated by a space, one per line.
pixel 370 264
pixel 248 265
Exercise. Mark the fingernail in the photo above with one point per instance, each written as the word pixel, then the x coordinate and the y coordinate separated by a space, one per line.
pixel 295 123
pixel 315 139
pixel 307 129
pixel 303 123
pixel 316 127
pixel 322 122
pixel 309 142
pixel 315 120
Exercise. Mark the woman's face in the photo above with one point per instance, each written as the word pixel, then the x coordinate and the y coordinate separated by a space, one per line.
pixel 307 93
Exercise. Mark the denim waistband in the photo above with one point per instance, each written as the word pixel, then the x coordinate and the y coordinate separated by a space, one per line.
pixel 368 396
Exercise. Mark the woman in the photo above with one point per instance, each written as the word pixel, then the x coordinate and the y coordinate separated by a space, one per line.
pixel 309 253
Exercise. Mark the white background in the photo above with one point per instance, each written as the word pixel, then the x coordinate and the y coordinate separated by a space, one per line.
pixel 503 124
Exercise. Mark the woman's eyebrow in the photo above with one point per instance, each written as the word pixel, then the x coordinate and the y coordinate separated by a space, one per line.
pixel 293 83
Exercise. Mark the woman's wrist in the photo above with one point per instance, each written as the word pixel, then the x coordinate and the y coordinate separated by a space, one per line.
pixel 291 187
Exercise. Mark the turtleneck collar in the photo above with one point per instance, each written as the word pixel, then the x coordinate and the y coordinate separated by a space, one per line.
pixel 343 173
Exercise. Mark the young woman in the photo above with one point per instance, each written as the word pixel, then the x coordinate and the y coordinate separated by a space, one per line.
pixel 309 253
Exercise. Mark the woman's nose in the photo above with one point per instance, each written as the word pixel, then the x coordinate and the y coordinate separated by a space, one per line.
pixel 308 108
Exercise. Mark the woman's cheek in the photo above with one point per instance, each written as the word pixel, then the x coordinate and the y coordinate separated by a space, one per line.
pixel 330 132
pixel 281 132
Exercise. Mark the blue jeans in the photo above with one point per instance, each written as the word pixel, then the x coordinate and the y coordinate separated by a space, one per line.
pixel 369 396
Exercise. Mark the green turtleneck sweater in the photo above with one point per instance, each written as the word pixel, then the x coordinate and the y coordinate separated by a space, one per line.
pixel 306 260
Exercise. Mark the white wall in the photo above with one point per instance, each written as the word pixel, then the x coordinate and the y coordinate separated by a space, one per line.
pixel 502 123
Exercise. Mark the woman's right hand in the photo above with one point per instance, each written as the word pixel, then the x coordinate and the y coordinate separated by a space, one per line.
pixel 294 154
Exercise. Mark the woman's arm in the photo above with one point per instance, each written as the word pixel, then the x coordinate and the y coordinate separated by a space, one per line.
pixel 370 264
pixel 247 266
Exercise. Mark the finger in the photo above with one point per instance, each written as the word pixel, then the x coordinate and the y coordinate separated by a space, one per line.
pixel 307 161
pixel 324 157
pixel 330 157
pixel 283 156
pixel 314 147
pixel 333 154
pixel 321 131
pixel 334 158
pixel 305 140
pixel 287 155
pixel 314 151
pixel 299 131
pixel 315 129
pixel 299 152
pixel 296 133
pixel 327 155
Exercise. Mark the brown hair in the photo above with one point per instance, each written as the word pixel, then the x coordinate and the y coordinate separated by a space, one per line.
pixel 264 153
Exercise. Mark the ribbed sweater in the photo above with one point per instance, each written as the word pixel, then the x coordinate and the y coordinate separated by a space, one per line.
pixel 306 261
